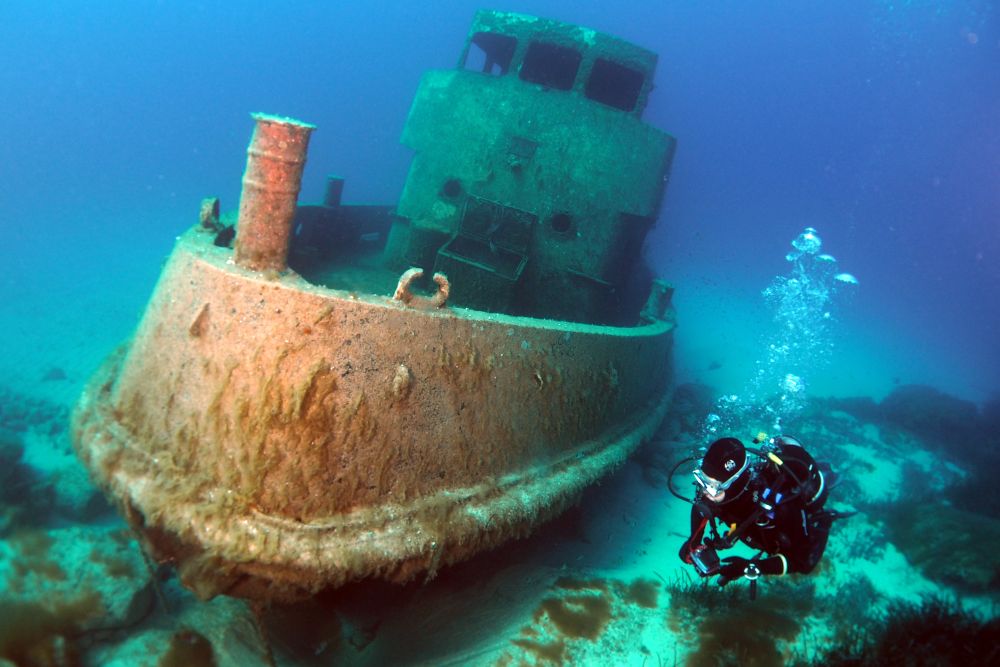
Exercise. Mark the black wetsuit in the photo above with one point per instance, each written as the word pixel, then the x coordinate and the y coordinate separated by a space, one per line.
pixel 793 538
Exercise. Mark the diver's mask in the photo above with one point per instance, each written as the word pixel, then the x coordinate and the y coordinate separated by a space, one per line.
pixel 713 487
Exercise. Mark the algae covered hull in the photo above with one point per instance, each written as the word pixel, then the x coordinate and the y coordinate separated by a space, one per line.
pixel 302 405
pixel 272 433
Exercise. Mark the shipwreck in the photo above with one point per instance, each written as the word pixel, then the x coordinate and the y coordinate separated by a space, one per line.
pixel 318 394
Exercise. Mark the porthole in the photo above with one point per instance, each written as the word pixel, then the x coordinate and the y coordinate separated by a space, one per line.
pixel 561 223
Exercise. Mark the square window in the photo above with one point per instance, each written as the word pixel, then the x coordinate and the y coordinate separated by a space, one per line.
pixel 490 53
pixel 550 65
pixel 613 84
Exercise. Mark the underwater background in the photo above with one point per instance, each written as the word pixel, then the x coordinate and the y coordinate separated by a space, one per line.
pixel 876 123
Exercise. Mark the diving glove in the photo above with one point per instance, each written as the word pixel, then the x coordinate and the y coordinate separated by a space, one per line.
pixel 734 567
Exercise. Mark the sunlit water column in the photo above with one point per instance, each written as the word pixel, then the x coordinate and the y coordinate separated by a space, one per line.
pixel 798 343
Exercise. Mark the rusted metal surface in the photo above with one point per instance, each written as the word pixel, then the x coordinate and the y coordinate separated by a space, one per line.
pixel 405 295
pixel 271 183
pixel 272 438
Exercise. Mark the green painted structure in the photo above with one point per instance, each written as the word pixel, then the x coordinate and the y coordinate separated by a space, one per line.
pixel 534 180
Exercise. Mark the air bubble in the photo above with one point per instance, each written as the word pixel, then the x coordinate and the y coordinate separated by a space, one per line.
pixel 797 343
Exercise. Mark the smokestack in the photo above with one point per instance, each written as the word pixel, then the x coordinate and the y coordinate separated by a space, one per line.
pixel 275 159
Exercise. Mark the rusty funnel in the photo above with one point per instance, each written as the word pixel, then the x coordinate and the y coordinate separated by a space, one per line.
pixel 271 183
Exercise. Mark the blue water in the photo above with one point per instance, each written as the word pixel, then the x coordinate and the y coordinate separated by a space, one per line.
pixel 877 123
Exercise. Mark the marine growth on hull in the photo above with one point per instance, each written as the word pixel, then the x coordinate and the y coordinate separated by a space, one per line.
pixel 323 393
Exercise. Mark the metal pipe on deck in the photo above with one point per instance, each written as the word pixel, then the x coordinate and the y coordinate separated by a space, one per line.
pixel 334 191
pixel 275 159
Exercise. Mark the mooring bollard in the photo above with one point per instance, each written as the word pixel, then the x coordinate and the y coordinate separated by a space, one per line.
pixel 275 159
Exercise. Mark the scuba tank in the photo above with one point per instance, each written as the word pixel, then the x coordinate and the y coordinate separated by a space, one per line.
pixel 791 472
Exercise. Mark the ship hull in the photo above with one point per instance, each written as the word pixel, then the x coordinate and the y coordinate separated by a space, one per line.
pixel 273 438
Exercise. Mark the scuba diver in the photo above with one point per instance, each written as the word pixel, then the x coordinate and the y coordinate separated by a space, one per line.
pixel 773 505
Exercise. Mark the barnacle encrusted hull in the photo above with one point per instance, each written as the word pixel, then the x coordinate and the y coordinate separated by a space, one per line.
pixel 272 437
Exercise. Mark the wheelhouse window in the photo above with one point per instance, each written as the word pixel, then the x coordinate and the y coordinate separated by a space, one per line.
pixel 550 65
pixel 490 53
pixel 613 84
